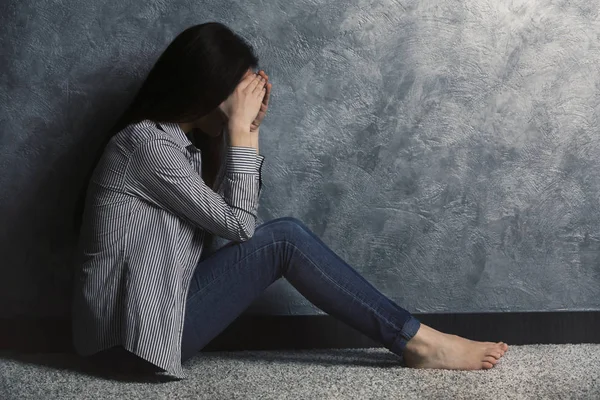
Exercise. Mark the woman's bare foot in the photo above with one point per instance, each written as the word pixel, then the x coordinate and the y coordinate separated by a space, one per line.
pixel 430 348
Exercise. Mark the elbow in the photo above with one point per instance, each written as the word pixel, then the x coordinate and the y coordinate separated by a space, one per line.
pixel 245 225
pixel 246 234
pixel 247 231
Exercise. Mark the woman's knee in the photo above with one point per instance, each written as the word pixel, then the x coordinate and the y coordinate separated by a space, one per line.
pixel 287 227
pixel 288 219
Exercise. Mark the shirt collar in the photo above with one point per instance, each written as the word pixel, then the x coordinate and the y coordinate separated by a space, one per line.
pixel 175 131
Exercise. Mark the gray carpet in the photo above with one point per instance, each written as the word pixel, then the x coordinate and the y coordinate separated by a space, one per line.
pixel 525 372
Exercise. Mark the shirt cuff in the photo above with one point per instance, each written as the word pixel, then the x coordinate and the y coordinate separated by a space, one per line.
pixel 259 161
pixel 243 160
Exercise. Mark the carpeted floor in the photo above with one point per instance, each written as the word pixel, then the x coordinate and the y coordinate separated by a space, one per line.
pixel 525 372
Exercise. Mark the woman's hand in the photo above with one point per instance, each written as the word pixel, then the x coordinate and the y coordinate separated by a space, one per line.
pixel 264 106
pixel 244 104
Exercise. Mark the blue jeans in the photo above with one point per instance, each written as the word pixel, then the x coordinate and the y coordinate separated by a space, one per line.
pixel 227 281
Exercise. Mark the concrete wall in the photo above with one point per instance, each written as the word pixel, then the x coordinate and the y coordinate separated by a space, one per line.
pixel 448 150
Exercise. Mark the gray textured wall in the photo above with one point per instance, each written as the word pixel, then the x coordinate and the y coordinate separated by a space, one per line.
pixel 448 150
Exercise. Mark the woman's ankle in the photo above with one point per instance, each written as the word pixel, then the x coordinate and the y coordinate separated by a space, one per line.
pixel 421 343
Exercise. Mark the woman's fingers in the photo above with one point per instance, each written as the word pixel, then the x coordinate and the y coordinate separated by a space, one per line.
pixel 260 82
pixel 266 98
pixel 259 90
pixel 247 81
pixel 254 83
pixel 252 80
pixel 264 75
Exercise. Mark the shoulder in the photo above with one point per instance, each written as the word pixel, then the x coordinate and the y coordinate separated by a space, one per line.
pixel 143 134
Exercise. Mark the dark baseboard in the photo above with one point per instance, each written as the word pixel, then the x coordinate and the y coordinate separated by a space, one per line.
pixel 261 332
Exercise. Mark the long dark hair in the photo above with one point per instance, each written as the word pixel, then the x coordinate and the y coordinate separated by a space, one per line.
pixel 199 69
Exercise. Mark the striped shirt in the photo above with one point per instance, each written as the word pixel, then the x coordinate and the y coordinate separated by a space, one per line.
pixel 146 214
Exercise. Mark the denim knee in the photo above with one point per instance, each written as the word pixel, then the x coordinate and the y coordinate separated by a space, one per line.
pixel 292 220
pixel 287 227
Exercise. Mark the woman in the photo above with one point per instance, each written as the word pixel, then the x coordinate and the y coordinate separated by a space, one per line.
pixel 181 163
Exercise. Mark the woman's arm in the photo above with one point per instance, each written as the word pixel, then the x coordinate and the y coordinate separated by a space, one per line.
pixel 160 173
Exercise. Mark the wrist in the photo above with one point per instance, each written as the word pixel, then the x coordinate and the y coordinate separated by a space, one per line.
pixel 235 126
pixel 239 136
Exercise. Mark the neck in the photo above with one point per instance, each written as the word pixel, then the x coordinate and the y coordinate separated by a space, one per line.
pixel 186 127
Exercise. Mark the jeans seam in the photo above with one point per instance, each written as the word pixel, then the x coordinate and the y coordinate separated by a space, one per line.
pixel 346 290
